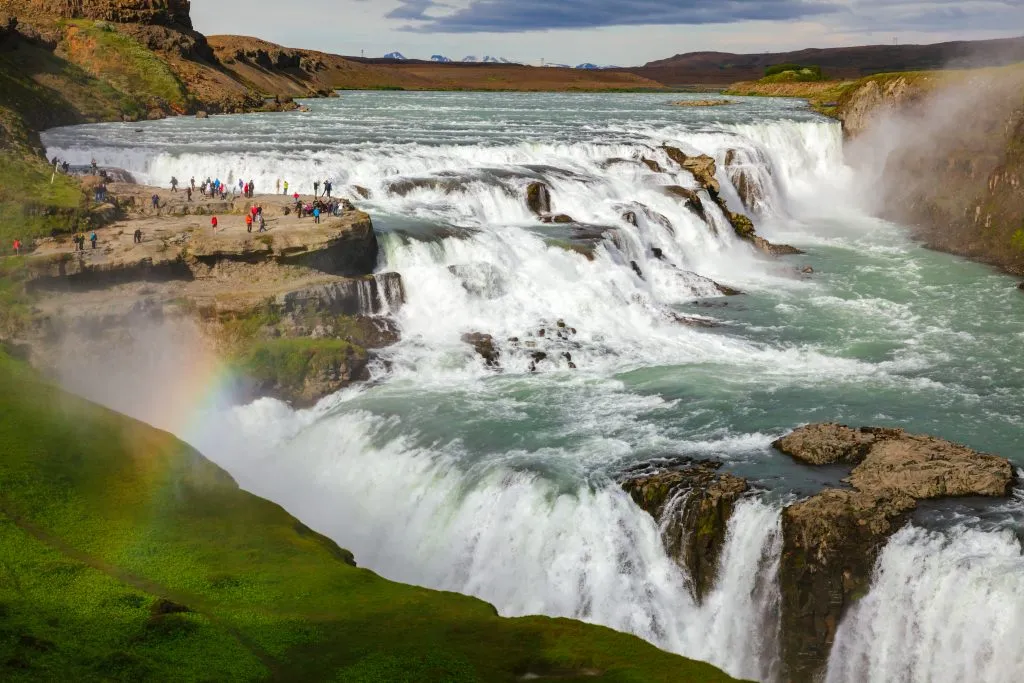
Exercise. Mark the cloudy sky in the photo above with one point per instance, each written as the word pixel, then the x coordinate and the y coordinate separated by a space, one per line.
pixel 622 32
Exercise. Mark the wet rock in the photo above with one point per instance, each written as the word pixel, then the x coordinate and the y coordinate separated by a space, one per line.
pixel 831 540
pixel 772 249
pixel 559 218
pixel 657 253
pixel 692 502
pixel 726 290
pixel 653 165
pixel 630 217
pixel 702 167
pixel 1021 286
pixel 830 544
pixel 636 269
pixel 692 321
pixel 690 198
pixel 807 270
pixel 538 198
pixel 361 191
pixel 202 115
pixel 890 461
pixel 484 345
pixel 747 186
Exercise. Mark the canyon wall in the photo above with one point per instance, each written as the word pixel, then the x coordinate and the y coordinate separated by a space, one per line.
pixel 944 153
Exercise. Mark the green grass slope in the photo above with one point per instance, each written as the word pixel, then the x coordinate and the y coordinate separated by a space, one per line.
pixel 125 555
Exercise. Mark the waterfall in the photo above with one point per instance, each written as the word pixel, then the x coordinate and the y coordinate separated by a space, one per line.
pixel 499 482
pixel 944 607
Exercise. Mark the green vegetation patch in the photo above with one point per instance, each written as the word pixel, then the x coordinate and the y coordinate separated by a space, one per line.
pixel 124 63
pixel 792 73
pixel 289 363
pixel 125 556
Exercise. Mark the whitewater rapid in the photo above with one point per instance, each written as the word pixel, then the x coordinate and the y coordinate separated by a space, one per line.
pixel 446 474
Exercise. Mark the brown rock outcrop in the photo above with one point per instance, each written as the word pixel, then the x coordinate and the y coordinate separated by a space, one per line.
pixel 832 540
pixel 484 345
pixel 692 502
pixel 538 198
pixel 690 198
pixel 702 167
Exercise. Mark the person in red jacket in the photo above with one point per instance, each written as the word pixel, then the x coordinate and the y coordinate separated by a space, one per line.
pixel 17 247
pixel 213 223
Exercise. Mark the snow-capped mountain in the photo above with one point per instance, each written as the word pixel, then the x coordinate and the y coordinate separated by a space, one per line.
pixel 440 59
pixel 588 66
pixel 395 55
pixel 470 59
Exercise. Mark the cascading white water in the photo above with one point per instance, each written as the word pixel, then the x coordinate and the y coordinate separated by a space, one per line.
pixel 501 485
pixel 520 539
pixel 944 607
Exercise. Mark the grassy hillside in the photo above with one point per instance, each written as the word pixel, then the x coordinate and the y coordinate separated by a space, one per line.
pixel 128 556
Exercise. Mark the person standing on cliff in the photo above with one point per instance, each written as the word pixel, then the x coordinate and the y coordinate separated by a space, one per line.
pixel 316 214
pixel 252 188
pixel 277 186
pixel 327 188
pixel 193 183
pixel 156 202
pixel 316 188
pixel 93 238
pixel 138 236
pixel 188 193
pixel 286 187
pixel 174 184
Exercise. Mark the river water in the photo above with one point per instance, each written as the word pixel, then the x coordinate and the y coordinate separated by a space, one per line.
pixel 448 474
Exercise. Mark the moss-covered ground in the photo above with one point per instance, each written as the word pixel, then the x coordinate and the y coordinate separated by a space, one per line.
pixel 126 556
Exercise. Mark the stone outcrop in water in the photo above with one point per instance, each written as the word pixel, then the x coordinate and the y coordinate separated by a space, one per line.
pixel 832 540
pixel 701 166
pixel 484 345
pixel 692 502
pixel 703 169
pixel 538 198
pixel 747 187
pixel 690 199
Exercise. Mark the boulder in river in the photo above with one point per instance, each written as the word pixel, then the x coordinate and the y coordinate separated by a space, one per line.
pixel 559 218
pixel 692 502
pixel 538 198
pixel 1021 286
pixel 747 186
pixel 630 217
pixel 202 114
pixel 702 167
pixel 484 345
pixel 832 540
pixel 653 165
pixel 690 198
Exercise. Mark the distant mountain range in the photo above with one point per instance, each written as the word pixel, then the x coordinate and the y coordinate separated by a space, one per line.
pixel 721 68
pixel 488 59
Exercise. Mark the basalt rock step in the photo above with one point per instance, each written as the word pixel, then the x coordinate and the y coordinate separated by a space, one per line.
pixel 538 198
pixel 832 540
pixel 692 502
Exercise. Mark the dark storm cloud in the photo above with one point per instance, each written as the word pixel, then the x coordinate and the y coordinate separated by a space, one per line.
pixel 513 16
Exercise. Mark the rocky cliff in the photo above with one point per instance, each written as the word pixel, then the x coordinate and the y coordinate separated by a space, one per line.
pixel 946 152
